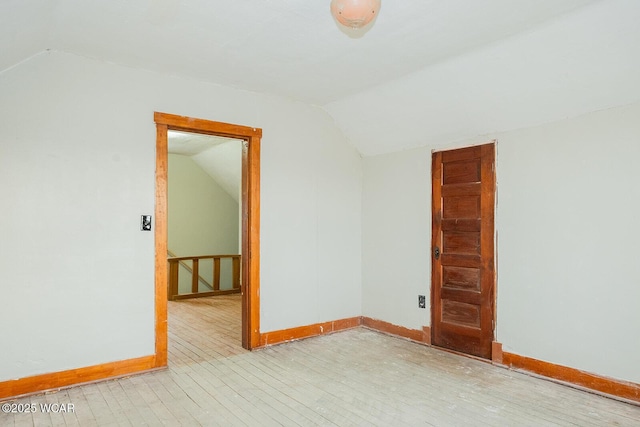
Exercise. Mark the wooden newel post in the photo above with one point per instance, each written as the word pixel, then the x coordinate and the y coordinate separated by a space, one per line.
pixel 173 279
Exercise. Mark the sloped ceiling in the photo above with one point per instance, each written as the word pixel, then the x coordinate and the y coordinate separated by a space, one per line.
pixel 586 61
pixel 219 157
pixel 427 70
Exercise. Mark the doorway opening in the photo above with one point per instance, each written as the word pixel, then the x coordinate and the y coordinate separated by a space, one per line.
pixel 204 239
pixel 204 245
pixel 249 223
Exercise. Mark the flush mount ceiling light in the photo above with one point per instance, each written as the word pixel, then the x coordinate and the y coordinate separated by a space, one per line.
pixel 355 14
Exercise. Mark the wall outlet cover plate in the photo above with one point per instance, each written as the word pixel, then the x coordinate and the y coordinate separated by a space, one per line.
pixel 422 301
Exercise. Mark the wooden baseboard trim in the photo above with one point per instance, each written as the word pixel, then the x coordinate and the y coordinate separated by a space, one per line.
pixel 206 294
pixel 72 377
pixel 426 334
pixel 422 336
pixel 276 337
pixel 572 376
pixel 285 335
pixel 496 352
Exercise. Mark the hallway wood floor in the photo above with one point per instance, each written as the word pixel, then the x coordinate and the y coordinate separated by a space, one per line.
pixel 352 378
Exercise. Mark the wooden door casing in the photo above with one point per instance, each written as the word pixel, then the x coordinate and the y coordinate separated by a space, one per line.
pixel 250 261
pixel 463 275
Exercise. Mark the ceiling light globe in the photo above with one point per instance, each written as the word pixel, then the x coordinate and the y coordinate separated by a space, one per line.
pixel 355 13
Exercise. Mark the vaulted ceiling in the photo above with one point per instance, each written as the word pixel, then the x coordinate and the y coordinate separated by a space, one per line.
pixel 427 71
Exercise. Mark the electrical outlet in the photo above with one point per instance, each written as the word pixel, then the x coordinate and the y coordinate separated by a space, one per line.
pixel 145 223
pixel 422 301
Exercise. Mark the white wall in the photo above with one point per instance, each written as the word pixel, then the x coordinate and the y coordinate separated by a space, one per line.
pixel 568 272
pixel 311 220
pixel 568 233
pixel 396 237
pixel 77 163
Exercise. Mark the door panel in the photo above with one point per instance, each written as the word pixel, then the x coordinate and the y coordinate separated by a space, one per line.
pixel 461 243
pixel 461 278
pixel 458 207
pixel 463 272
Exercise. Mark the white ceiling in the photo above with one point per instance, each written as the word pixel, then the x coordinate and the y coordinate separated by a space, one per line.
pixel 287 47
pixel 586 61
pixel 190 144
pixel 435 68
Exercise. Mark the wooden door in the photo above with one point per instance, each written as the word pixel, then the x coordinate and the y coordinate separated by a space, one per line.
pixel 463 271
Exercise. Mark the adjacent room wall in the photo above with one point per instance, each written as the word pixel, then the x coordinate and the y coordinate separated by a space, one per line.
pixel 568 276
pixel 77 163
pixel 203 220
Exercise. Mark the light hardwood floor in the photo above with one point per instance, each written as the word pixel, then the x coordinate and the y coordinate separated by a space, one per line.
pixel 353 378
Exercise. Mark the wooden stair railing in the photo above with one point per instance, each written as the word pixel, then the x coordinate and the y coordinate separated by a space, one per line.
pixel 187 267
pixel 174 266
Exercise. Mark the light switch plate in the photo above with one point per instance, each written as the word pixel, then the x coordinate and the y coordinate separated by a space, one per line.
pixel 145 223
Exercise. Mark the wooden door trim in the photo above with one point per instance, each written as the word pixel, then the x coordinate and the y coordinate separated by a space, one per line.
pixel 161 245
pixel 250 223
pixel 436 196
pixel 488 235
pixel 487 238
